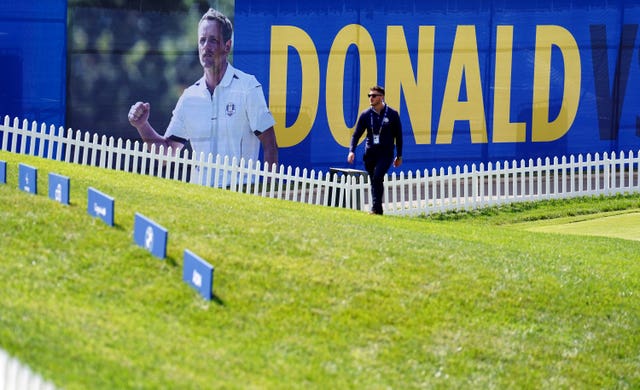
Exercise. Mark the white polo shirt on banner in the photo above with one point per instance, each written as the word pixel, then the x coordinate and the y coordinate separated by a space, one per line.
pixel 224 123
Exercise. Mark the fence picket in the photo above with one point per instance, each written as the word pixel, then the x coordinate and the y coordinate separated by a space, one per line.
pixel 5 133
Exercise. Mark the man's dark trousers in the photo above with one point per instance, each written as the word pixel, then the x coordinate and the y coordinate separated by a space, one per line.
pixel 377 164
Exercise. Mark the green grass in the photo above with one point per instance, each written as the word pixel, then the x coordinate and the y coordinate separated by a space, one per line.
pixel 311 296
pixel 625 225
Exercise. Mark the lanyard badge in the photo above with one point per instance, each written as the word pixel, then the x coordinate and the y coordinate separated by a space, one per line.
pixel 376 137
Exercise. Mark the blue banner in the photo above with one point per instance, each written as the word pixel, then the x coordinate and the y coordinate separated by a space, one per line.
pixel 33 57
pixel 474 81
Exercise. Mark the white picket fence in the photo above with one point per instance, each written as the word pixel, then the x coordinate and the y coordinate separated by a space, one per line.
pixel 406 193
pixel 16 376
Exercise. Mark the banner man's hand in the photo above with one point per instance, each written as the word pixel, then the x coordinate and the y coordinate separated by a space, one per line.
pixel 139 114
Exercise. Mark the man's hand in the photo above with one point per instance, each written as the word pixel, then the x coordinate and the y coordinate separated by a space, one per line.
pixel 139 118
pixel 139 114
pixel 397 162
pixel 351 157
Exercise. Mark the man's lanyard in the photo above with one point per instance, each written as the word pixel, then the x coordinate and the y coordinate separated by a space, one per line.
pixel 384 116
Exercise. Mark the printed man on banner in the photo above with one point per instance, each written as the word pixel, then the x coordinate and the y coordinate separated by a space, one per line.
pixel 224 113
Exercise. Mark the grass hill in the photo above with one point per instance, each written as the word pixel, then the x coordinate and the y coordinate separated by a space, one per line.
pixel 310 296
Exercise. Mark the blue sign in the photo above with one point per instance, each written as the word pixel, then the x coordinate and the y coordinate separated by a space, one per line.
pixel 150 236
pixel 28 178
pixel 101 206
pixel 197 273
pixel 3 172
pixel 59 188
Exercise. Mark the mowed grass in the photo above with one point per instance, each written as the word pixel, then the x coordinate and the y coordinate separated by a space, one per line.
pixel 311 296
pixel 625 225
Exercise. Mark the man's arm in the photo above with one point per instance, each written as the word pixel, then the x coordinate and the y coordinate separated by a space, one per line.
pixel 355 138
pixel 139 118
pixel 398 138
pixel 269 146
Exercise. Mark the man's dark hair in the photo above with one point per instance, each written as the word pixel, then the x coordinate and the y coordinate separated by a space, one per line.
pixel 378 89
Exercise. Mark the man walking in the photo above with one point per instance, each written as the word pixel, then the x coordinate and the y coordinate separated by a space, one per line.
pixel 384 133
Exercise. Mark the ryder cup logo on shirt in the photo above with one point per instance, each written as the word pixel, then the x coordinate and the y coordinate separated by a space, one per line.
pixel 231 109
pixel 385 120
